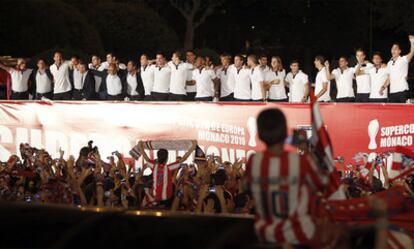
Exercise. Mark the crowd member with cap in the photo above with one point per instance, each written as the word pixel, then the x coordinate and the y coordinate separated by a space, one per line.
pixel 162 77
pixel 133 83
pixel 42 81
pixel 20 76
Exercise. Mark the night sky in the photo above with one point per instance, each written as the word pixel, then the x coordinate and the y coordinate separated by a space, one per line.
pixel 291 29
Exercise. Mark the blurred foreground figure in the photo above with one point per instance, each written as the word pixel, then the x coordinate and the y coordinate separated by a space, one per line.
pixel 284 185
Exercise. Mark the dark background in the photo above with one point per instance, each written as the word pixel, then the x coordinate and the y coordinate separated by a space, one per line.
pixel 291 29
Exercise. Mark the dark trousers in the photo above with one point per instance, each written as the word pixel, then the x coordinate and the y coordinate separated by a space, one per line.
pixel 362 97
pixel 39 96
pixel 114 97
pixel 159 96
pixel 62 96
pixel 278 100
pixel 20 96
pixel 399 97
pixel 191 96
pixel 384 100
pixel 345 100
pixel 147 98
pixel 135 97
pixel 204 99
pixel 242 100
pixel 227 98
pixel 177 97
pixel 77 94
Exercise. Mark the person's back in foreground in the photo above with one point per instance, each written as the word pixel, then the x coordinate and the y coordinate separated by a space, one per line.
pixel 283 185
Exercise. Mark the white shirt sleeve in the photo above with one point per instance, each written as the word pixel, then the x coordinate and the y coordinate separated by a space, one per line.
pixel 405 59
pixel 305 80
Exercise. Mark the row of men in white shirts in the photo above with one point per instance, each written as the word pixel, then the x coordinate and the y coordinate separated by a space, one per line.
pixel 373 79
pixel 196 79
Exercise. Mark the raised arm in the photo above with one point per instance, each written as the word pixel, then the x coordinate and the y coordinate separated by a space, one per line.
pixel 142 151
pixel 189 152
pixel 5 68
pixel 410 55
pixel 97 73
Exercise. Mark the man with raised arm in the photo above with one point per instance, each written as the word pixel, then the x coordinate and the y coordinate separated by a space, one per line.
pixel 398 69
pixel 162 173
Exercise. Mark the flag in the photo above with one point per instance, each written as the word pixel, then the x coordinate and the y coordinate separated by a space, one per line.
pixel 402 159
pixel 322 146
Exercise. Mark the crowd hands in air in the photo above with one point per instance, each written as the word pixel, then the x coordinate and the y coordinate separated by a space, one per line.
pixel 197 79
pixel 206 185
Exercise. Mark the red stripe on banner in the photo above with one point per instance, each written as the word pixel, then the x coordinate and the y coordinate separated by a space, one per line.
pixel 297 229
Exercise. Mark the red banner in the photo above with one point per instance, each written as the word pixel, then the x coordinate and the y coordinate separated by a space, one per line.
pixel 225 129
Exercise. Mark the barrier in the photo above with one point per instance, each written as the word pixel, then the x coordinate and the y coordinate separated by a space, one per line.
pixel 225 129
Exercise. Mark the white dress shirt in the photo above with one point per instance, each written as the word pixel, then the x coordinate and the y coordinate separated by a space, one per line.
pixel 242 88
pixel 344 80
pixel 321 79
pixel 20 79
pixel 297 85
pixel 162 77
pixel 398 70
pixel 204 82
pixel 61 78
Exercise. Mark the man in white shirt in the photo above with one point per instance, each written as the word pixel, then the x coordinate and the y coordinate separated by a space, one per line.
pixel 42 81
pixel 242 88
pixel 162 77
pixel 191 89
pixel 275 79
pixel 322 84
pixel 75 78
pixel 179 78
pixel 398 69
pixel 133 86
pixel 298 83
pixel 60 71
pixel 205 81
pixel 257 79
pixel 19 79
pixel 344 78
pixel 380 77
pixel 226 77
pixel 147 75
pixel 110 58
pixel 363 80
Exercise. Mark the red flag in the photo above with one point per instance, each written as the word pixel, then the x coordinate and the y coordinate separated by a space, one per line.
pixel 322 146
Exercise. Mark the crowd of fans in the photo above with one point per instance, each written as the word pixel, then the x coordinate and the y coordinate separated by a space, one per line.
pixel 237 78
pixel 206 185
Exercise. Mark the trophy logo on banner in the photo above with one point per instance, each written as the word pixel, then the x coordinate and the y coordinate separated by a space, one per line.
pixel 373 129
pixel 252 130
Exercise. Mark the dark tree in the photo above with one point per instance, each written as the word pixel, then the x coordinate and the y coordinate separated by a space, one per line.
pixel 195 13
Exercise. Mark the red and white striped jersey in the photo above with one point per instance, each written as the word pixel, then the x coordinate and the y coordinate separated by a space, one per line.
pixel 283 188
pixel 162 174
